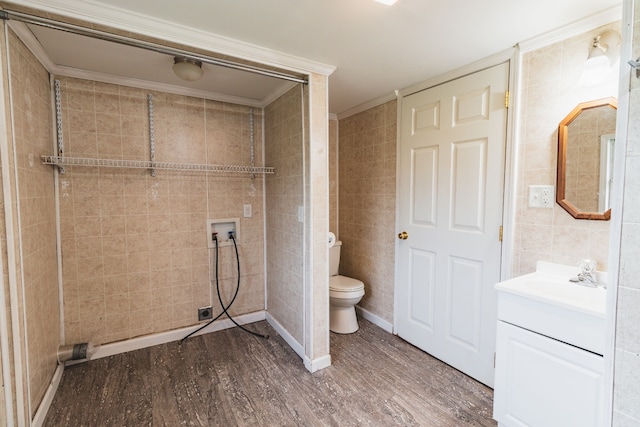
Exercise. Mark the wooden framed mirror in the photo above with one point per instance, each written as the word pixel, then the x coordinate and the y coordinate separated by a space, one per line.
pixel 585 159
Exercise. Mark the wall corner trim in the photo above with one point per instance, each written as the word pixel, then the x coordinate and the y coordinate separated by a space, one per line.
pixel 317 363
pixel 41 413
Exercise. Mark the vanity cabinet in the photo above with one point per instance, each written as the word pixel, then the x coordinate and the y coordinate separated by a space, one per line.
pixel 549 346
pixel 543 382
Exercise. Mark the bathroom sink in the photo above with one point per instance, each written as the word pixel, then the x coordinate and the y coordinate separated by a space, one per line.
pixel 548 303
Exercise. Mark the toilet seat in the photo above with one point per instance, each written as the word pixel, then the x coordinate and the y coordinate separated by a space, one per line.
pixel 344 284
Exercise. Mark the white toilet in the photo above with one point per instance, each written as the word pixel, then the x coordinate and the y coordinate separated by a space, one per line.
pixel 344 294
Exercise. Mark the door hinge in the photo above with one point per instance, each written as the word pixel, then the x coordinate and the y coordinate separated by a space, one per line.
pixel 500 234
pixel 506 99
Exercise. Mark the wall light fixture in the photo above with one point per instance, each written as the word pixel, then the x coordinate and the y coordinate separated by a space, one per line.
pixel 602 60
pixel 606 44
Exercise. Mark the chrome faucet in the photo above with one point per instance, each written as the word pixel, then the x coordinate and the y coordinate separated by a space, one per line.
pixel 587 275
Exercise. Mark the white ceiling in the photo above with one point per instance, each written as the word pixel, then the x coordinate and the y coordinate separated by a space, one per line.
pixel 375 48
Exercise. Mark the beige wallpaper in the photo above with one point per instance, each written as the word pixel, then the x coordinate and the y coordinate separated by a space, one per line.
pixel 31 113
pixel 284 196
pixel 135 257
pixel 367 203
pixel 627 355
pixel 549 91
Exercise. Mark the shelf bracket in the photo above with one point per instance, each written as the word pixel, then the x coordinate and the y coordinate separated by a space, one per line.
pixel 59 133
pixel 152 136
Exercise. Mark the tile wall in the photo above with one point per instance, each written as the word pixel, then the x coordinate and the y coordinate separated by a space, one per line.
pixel 367 203
pixel 317 206
pixel 549 91
pixel 627 356
pixel 333 176
pixel 36 239
pixel 284 196
pixel 135 256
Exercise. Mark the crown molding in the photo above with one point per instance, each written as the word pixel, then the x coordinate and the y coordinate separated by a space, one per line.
pixel 121 19
pixel 366 105
pixel 481 64
pixel 488 62
pixel 579 27
pixel 602 18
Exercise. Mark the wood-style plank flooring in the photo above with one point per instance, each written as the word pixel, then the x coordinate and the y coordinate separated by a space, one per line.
pixel 231 378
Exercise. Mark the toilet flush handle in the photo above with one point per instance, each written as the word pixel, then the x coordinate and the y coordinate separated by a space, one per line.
pixel 403 236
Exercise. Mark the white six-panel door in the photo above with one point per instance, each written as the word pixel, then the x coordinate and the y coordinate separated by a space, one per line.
pixel 451 180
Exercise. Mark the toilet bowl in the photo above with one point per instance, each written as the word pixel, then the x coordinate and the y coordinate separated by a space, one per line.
pixel 344 294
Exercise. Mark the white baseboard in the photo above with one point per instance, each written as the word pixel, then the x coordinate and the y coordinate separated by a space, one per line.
pixel 317 364
pixel 295 345
pixel 375 319
pixel 311 365
pixel 41 413
pixel 110 349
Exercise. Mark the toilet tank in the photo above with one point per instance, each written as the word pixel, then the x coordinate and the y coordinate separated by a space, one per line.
pixel 334 258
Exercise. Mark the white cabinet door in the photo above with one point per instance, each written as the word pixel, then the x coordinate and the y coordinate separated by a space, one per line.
pixel 541 382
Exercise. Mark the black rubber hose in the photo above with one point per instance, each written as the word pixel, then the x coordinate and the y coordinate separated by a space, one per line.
pixel 225 309
pixel 215 239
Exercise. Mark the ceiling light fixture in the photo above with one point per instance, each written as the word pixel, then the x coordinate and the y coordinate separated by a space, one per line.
pixel 187 69
pixel 387 2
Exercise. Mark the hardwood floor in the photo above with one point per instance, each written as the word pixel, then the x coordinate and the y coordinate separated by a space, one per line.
pixel 231 378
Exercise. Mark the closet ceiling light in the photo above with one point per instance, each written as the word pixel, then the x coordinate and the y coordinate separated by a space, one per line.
pixel 187 69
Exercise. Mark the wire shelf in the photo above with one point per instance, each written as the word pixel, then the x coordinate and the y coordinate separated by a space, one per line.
pixel 149 165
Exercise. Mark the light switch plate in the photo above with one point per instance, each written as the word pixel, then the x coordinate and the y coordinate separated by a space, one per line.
pixel 541 196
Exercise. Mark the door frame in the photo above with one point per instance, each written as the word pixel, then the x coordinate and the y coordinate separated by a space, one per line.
pixel 512 56
pixel 617 200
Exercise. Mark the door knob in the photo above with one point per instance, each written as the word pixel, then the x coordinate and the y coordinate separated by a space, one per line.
pixel 403 236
